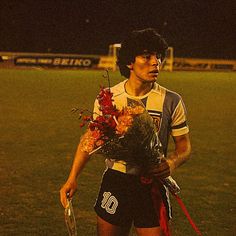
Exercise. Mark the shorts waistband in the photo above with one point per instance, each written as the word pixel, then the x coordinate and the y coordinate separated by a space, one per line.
pixel 123 167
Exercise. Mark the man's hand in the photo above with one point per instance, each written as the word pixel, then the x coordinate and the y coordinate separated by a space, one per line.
pixel 67 190
pixel 161 170
pixel 70 187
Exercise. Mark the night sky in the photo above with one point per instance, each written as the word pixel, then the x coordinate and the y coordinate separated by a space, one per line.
pixel 204 29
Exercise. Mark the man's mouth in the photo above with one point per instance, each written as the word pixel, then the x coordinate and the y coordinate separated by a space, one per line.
pixel 154 72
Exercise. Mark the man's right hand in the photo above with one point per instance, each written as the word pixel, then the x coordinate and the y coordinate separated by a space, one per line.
pixel 67 190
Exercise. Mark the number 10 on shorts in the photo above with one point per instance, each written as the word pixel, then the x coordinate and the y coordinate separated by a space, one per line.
pixel 109 203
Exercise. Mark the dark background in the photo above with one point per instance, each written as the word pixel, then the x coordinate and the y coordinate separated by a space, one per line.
pixel 204 29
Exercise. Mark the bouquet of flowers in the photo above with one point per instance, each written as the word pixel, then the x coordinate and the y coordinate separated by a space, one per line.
pixel 128 134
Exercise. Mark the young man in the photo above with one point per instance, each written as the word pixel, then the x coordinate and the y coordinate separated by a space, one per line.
pixel 123 199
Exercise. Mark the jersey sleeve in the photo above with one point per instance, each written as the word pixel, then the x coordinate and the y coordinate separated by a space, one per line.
pixel 179 121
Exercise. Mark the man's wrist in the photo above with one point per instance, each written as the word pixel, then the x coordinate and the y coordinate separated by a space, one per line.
pixel 72 178
pixel 177 159
pixel 173 159
pixel 171 164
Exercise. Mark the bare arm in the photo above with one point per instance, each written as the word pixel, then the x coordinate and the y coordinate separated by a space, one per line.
pixel 175 159
pixel 181 153
pixel 70 186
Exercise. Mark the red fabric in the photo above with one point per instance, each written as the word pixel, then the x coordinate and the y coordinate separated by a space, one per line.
pixel 160 209
pixel 158 204
pixel 187 214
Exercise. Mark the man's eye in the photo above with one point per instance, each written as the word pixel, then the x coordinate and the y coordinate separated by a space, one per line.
pixel 146 56
pixel 158 56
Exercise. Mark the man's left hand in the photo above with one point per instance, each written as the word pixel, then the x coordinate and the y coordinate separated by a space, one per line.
pixel 162 169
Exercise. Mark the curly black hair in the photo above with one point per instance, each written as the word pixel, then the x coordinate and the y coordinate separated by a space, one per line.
pixel 135 43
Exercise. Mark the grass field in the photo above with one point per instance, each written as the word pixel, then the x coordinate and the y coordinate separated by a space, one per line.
pixel 39 135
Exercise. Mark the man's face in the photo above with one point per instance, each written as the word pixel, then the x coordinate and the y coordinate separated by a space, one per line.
pixel 145 67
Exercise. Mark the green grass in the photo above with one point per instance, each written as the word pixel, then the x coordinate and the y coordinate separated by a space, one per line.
pixel 39 135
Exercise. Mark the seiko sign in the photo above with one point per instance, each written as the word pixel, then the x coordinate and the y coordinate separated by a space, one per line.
pixel 82 62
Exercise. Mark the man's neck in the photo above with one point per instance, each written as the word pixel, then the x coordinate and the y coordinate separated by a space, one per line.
pixel 137 88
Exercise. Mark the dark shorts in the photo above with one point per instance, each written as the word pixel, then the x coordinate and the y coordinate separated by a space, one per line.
pixel 123 200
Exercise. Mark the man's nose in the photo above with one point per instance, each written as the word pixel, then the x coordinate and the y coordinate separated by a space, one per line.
pixel 156 61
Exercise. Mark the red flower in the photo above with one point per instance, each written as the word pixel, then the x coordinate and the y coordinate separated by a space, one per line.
pixel 112 122
pixel 106 102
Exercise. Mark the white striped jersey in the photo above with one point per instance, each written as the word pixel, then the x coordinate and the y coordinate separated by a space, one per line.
pixel 166 108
